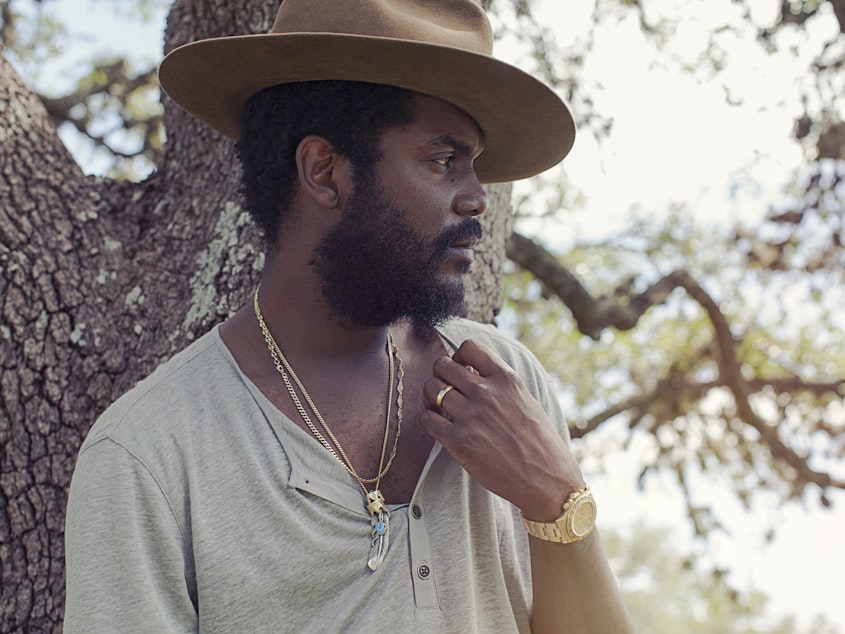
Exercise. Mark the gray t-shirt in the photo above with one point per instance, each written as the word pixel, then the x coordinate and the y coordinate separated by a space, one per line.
pixel 196 505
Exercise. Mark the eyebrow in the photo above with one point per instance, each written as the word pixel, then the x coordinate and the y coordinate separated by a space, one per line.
pixel 447 140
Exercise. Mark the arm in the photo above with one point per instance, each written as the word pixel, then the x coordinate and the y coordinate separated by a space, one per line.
pixel 574 589
pixel 127 564
pixel 501 435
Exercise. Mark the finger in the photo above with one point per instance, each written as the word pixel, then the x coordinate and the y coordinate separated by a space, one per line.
pixel 435 425
pixel 483 361
pixel 438 400
pixel 453 373
pixel 436 392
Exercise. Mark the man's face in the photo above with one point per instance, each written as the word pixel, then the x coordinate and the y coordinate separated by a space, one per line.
pixel 404 240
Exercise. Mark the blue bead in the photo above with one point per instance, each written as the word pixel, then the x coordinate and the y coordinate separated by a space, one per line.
pixel 381 528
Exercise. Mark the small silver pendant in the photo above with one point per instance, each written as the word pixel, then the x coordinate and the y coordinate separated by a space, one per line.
pixel 380 529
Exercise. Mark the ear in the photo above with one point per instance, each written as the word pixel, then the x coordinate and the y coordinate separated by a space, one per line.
pixel 324 174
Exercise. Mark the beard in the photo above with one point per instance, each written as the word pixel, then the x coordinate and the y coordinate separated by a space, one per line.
pixel 375 268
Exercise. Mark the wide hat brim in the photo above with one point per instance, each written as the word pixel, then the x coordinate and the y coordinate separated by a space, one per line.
pixel 527 128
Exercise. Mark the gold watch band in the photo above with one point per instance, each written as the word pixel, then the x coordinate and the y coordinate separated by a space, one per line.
pixel 575 522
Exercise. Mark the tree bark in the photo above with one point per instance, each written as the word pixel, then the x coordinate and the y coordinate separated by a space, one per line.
pixel 100 281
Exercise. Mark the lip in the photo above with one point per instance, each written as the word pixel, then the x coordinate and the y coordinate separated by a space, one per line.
pixel 466 243
pixel 463 252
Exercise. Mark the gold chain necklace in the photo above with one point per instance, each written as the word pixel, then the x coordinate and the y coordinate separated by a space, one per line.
pixel 380 516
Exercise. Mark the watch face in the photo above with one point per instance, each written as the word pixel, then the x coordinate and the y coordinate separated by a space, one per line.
pixel 582 516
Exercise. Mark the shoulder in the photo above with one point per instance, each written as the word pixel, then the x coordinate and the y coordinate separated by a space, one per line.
pixel 179 389
pixel 514 353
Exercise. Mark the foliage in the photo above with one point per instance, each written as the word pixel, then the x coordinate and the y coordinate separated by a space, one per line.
pixel 112 106
pixel 669 593
pixel 663 377
pixel 723 346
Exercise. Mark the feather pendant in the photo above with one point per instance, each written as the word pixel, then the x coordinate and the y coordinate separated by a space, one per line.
pixel 378 549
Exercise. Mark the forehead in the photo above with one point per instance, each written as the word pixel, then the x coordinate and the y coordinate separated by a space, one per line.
pixel 437 122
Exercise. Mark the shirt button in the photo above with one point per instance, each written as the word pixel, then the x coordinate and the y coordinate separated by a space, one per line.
pixel 424 571
pixel 417 511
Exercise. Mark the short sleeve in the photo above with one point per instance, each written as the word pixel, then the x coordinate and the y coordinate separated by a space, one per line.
pixel 127 564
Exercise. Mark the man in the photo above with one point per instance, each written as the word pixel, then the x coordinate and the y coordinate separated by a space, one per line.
pixel 343 454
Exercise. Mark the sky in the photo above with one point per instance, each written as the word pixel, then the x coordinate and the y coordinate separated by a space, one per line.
pixel 674 139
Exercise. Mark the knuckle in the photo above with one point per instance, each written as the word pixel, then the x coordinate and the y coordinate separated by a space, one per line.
pixel 511 378
pixel 483 390
pixel 441 363
pixel 425 419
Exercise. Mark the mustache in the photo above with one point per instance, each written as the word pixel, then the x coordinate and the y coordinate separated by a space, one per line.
pixel 469 230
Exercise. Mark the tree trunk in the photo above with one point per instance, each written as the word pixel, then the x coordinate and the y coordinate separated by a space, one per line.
pixel 100 281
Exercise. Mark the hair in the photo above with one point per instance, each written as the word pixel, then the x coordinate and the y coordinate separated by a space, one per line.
pixel 352 116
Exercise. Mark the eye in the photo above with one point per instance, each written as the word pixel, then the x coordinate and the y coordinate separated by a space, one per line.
pixel 444 161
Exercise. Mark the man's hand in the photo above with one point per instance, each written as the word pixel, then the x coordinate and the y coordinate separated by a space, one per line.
pixel 498 432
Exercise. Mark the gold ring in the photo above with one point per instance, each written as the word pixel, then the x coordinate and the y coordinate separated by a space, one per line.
pixel 442 393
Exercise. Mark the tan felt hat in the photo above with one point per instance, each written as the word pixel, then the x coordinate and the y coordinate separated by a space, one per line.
pixel 440 48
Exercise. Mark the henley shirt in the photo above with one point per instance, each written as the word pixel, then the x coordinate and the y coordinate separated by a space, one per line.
pixel 197 506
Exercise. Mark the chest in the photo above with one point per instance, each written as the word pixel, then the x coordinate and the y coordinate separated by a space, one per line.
pixel 275 540
pixel 368 433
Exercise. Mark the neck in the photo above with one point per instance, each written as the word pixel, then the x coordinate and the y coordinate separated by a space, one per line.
pixel 305 326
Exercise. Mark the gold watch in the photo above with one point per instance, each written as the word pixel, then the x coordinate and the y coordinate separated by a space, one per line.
pixel 576 522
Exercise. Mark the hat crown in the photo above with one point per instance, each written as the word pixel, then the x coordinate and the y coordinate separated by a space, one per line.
pixel 455 23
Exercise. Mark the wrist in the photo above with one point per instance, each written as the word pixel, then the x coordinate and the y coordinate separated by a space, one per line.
pixel 576 520
pixel 546 507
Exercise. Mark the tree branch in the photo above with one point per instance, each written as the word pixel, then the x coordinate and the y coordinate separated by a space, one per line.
pixel 730 373
pixel 622 310
pixel 110 82
pixel 592 315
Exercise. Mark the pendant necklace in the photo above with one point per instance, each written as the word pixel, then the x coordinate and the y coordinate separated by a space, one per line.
pixel 374 500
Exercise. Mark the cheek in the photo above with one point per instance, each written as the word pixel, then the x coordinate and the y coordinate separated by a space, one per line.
pixel 430 210
pixel 427 207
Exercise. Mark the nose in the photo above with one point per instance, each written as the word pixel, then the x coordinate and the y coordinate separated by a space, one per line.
pixel 473 201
